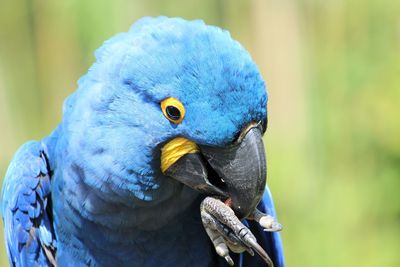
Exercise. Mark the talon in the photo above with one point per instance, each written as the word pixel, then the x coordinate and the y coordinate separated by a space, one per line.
pixel 216 238
pixel 220 247
pixel 260 251
pixel 274 227
pixel 229 260
pixel 250 251
pixel 221 250
pixel 268 222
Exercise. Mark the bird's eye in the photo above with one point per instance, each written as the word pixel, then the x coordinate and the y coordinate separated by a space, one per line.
pixel 173 110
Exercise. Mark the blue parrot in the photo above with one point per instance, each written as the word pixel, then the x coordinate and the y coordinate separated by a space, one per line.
pixel 171 112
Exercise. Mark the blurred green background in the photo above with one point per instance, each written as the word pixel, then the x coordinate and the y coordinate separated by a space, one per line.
pixel 333 71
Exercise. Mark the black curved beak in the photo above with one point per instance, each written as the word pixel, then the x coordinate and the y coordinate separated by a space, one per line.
pixel 236 173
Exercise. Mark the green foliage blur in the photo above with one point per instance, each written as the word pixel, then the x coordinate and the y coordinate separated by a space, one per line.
pixel 333 72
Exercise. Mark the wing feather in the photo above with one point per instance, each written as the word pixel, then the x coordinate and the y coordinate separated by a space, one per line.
pixel 29 234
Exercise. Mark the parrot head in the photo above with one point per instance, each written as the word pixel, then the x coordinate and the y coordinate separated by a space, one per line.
pixel 174 102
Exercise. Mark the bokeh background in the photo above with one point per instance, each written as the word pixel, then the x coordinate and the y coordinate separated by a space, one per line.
pixel 333 72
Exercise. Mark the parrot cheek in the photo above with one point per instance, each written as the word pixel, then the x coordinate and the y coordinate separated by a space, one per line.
pixel 236 174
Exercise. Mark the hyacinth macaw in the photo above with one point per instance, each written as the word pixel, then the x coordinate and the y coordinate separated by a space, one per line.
pixel 152 129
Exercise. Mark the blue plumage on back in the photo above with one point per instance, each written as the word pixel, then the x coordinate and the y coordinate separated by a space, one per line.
pixel 95 183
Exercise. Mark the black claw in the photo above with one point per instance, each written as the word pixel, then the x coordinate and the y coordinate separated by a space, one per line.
pixel 260 251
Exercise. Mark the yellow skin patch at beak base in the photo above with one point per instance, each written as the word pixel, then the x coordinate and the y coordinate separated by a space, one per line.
pixel 174 150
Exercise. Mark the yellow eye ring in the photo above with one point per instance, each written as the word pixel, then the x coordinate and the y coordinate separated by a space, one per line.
pixel 173 110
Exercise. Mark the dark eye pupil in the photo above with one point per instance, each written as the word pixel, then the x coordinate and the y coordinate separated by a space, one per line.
pixel 173 113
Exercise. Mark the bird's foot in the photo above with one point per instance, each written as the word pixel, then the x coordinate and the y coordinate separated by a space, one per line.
pixel 226 231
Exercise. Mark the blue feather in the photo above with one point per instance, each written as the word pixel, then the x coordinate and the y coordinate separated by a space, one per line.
pixel 23 207
pixel 95 183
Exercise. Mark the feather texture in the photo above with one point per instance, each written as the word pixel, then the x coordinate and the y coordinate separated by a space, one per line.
pixel 26 209
pixel 95 183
